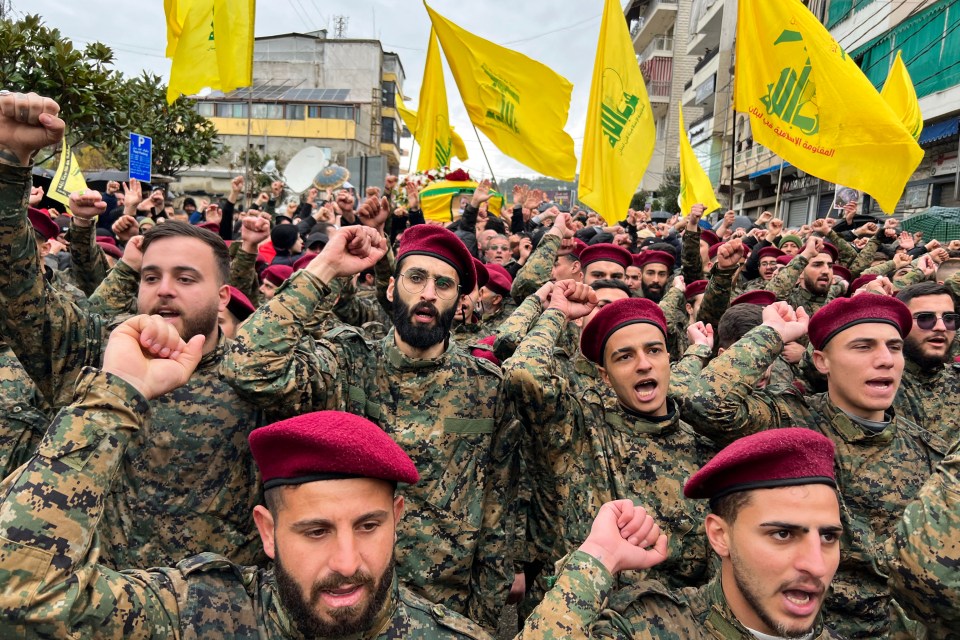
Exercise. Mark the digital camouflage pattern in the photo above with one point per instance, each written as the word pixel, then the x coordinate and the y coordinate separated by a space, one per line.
pixel 537 270
pixel 877 474
pixel 691 262
pixel 445 413
pixel 931 398
pixel 25 415
pixel 588 450
pixel 197 436
pixel 89 264
pixel 785 286
pixel 54 586
pixel 585 603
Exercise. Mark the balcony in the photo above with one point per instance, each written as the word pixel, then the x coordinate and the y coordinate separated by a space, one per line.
pixel 661 46
pixel 658 76
pixel 650 19
pixel 703 84
pixel 707 28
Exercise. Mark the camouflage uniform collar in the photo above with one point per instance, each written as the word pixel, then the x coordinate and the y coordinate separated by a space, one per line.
pixel 398 360
pixel 214 357
pixel 850 431
pixel 721 623
pixel 923 375
pixel 629 421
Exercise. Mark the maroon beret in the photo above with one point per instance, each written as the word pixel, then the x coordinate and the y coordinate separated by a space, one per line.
pixel 785 259
pixel 709 237
pixel 861 281
pixel 772 458
pixel 276 274
pixel 694 289
pixel 43 223
pixel 210 226
pixel 832 250
pixel 715 249
pixel 760 297
pixel 442 244
pixel 111 249
pixel 304 260
pixel 239 304
pixel 484 349
pixel 606 252
pixel 843 272
pixel 106 240
pixel 483 276
pixel 617 315
pixel 578 247
pixel 327 445
pixel 500 279
pixel 653 256
pixel 843 313
pixel 770 252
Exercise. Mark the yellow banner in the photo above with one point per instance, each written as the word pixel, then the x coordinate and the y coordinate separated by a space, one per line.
pixel 443 200
pixel 214 49
pixel 68 177
pixel 695 186
pixel 433 118
pixel 620 133
pixel 810 104
pixel 900 94
pixel 519 103
pixel 412 120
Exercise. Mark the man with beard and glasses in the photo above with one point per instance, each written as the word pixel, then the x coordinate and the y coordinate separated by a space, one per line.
pixel 930 390
pixel 807 281
pixel 655 268
pixel 883 458
pixel 329 481
pixel 196 437
pixel 440 403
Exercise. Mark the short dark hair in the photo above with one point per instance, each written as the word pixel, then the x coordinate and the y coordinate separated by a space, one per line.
pixel 736 322
pixel 179 229
pixel 728 507
pixel 572 257
pixel 596 285
pixel 921 290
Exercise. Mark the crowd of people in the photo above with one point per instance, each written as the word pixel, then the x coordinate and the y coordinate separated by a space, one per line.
pixel 325 416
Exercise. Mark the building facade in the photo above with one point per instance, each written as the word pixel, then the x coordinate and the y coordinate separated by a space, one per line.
pixel 308 90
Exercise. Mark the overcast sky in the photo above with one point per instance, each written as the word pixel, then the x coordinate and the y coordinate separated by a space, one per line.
pixel 560 33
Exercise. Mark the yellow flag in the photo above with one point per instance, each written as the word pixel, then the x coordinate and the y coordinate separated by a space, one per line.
pixel 176 12
pixel 410 118
pixel 899 93
pixel 433 123
pixel 810 103
pixel 521 104
pixel 68 177
pixel 215 47
pixel 695 186
pixel 619 136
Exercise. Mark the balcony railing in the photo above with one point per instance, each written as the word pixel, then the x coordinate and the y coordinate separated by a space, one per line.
pixel 660 43
pixel 659 89
pixel 710 55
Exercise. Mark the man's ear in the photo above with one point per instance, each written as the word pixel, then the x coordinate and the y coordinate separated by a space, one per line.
pixel 604 376
pixel 390 287
pixel 265 525
pixel 224 294
pixel 718 534
pixel 821 362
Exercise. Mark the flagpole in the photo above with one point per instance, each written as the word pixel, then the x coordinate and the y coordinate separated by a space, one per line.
pixel 733 148
pixel 489 166
pixel 776 206
pixel 413 146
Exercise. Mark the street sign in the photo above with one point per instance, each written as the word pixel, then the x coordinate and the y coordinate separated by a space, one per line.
pixel 141 157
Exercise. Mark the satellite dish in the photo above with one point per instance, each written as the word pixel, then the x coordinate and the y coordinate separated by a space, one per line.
pixel 302 168
pixel 270 168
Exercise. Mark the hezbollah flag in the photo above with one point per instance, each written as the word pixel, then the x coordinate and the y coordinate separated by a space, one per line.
pixel 433 123
pixel 176 12
pixel 214 48
pixel 619 136
pixel 441 200
pixel 68 177
pixel 520 104
pixel 695 186
pixel 899 93
pixel 411 119
pixel 810 103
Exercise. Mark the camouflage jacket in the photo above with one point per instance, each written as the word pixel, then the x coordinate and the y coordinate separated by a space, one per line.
pixel 931 398
pixel 584 603
pixel 56 588
pixel 89 263
pixel 446 413
pixel 878 474
pixel 24 415
pixel 913 275
pixel 691 261
pixel 784 286
pixel 588 450
pixel 716 300
pixel 537 270
pixel 197 436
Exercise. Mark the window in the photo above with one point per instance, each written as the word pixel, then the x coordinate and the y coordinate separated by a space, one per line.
pixel 294 112
pixel 388 93
pixel 268 111
pixel 231 110
pixel 206 109
pixel 388 132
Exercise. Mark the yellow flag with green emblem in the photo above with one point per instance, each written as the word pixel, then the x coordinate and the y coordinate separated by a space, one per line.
pixel 433 118
pixel 411 119
pixel 214 48
pixel 899 93
pixel 519 103
pixel 695 186
pixel 810 104
pixel 68 177
pixel 619 136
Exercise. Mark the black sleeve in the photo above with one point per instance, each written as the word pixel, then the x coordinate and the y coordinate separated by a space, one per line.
pixel 517 224
pixel 226 222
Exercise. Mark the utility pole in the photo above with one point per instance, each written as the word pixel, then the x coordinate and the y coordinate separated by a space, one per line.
pixel 6 9
pixel 340 24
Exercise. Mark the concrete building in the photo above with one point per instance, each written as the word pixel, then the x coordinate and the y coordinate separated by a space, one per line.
pixel 871 32
pixel 660 35
pixel 308 90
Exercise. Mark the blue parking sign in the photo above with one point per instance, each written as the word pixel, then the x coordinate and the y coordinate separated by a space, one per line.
pixel 141 157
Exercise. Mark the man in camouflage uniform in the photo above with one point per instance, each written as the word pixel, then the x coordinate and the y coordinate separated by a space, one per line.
pixel 802 536
pixel 808 280
pixel 555 246
pixel 25 413
pixel 929 393
pixel 589 447
pixel 882 458
pixel 438 402
pixel 196 438
pixel 331 512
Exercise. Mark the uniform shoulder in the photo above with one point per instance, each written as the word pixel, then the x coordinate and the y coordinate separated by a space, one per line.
pixel 347 334
pixel 439 616
pixel 652 607
pixel 214 563
pixel 478 363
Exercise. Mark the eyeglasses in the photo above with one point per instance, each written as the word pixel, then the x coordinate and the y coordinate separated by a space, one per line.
pixel 414 282
pixel 927 320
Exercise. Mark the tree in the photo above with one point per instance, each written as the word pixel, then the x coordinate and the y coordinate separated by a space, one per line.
pixel 181 136
pixel 639 200
pixel 36 58
pixel 669 190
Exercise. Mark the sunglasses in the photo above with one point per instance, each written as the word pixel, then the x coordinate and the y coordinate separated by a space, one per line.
pixel 927 320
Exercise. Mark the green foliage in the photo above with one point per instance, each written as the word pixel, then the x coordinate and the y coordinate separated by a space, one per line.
pixel 668 191
pixel 639 200
pixel 260 180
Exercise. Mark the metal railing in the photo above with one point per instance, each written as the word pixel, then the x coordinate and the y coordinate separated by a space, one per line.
pixel 658 44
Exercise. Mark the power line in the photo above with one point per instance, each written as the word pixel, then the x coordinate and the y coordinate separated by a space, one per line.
pixel 916 56
pixel 866 23
pixel 558 30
